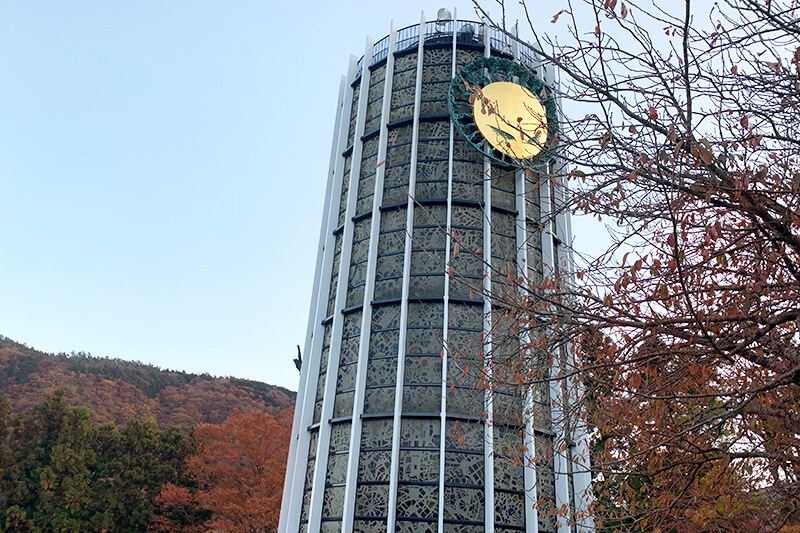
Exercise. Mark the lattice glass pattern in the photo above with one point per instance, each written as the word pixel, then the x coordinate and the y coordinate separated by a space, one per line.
pixel 351 331
pixel 335 475
pixel 464 366
pixel 508 458
pixel 509 480
pixel 468 173
pixel 545 480
pixel 382 373
pixel 379 401
pixel 432 158
pixel 333 502
pixel 504 255
pixel 464 469
pixel 533 227
pixel 382 368
pixel 366 177
pixel 416 527
pixel 358 262
pixel 372 494
pixel 385 318
pixel 403 87
pixel 376 434
pixel 509 508
pixel 425 370
pixel 418 466
pixel 422 398
pixel 436 77
pixel 337 256
pixel 374 466
pixel 337 468
pixel 464 528
pixel 534 255
pixel 509 408
pixel 465 401
pixel 468 263
pixel 417 501
pixel 372 501
pixel 427 252
pixel 464 436
pixel 465 57
pixel 346 380
pixel 349 350
pixel 391 246
pixel 503 188
pixel 331 526
pixel 323 369
pixel 348 162
pixel 420 433
pixel 375 99
pixel 309 477
pixel 398 158
pixel 351 129
pixel 464 504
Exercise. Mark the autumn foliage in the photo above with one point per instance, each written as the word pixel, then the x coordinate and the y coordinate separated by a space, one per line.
pixel 687 146
pixel 238 469
pixel 66 468
pixel 117 390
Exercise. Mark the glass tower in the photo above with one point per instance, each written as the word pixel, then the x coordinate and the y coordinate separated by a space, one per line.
pixel 397 425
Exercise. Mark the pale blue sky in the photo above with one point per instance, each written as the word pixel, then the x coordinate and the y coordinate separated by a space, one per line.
pixel 162 168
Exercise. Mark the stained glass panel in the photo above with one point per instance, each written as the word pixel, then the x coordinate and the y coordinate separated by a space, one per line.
pixel 419 466
pixel 509 508
pixel 333 502
pixel 377 433
pixel 464 436
pixel 423 369
pixel 417 501
pixel 461 503
pixel 379 401
pixel 419 433
pixel 422 399
pixel 463 468
pixel 375 466
pixel 403 87
pixel 372 501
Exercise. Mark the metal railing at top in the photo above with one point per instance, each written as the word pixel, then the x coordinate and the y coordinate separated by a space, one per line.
pixel 467 32
pixel 359 67
pixel 407 37
pixel 500 41
pixel 380 51
pixel 439 31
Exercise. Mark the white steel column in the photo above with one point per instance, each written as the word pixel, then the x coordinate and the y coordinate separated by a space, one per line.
pixel 531 496
pixel 556 392
pixel 401 352
pixel 446 299
pixel 529 465
pixel 329 397
pixel 369 289
pixel 488 429
pixel 298 446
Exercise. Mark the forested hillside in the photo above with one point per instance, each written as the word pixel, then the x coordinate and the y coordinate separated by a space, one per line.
pixel 97 444
pixel 117 390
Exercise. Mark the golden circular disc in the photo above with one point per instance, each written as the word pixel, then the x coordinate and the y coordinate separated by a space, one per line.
pixel 511 118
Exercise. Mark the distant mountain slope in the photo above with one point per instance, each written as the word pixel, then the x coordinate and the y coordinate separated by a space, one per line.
pixel 117 390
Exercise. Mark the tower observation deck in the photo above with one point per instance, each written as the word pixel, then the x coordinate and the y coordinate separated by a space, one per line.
pixel 426 237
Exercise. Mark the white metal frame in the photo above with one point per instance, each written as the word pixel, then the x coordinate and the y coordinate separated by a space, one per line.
pixel 556 225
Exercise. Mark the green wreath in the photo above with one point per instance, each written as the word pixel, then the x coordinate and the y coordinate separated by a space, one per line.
pixel 481 73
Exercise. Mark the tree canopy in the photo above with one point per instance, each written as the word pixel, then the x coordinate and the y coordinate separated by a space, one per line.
pixel 688 355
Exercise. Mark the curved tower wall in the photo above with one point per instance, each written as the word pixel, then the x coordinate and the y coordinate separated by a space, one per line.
pixel 420 234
